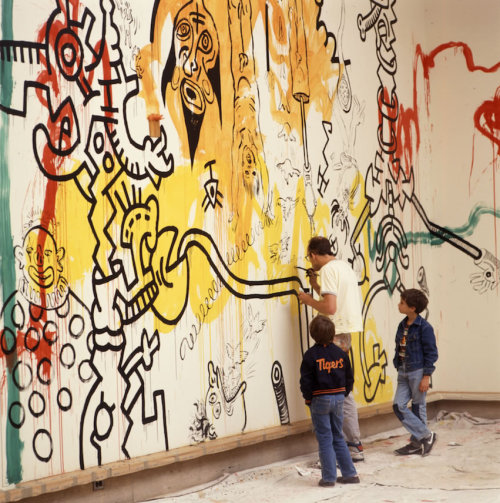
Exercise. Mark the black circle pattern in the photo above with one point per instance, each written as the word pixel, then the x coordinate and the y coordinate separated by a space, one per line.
pixel 36 404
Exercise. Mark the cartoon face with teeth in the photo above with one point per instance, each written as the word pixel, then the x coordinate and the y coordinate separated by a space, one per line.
pixel 41 262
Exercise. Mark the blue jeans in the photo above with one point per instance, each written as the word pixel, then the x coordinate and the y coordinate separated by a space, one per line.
pixel 414 419
pixel 327 413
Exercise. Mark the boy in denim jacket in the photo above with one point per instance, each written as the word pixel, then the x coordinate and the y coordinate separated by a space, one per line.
pixel 325 380
pixel 416 354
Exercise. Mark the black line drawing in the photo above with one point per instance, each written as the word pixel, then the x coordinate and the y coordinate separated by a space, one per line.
pixel 201 428
pixel 212 193
pixel 82 49
pixel 387 183
pixel 301 93
pixel 344 91
pixel 250 178
pixel 222 401
pixel 278 251
pixel 278 383
pixel 50 319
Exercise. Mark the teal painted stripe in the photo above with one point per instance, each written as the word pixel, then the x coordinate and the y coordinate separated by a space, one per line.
pixel 13 444
pixel 464 230
pixel 425 237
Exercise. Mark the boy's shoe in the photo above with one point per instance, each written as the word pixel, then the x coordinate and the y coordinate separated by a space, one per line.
pixel 356 451
pixel 348 480
pixel 411 448
pixel 324 483
pixel 428 443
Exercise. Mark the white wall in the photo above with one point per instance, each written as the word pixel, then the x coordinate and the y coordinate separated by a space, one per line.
pixel 150 282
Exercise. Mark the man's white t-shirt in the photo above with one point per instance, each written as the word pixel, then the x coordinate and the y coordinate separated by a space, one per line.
pixel 336 277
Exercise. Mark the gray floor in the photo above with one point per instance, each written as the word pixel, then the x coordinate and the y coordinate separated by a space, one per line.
pixel 464 466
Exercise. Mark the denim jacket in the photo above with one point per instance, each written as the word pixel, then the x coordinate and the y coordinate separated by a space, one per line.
pixel 421 349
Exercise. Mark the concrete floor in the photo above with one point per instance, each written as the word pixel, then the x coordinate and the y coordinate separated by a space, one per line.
pixel 464 466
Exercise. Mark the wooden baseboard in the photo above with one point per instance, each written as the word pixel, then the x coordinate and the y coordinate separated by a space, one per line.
pixel 185 454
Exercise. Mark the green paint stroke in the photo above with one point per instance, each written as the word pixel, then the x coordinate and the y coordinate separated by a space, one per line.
pixel 13 444
pixel 463 231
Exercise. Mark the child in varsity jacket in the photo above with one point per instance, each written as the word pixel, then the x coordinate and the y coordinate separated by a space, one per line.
pixel 325 380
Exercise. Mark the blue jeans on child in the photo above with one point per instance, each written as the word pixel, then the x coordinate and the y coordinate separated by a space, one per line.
pixel 327 413
pixel 414 419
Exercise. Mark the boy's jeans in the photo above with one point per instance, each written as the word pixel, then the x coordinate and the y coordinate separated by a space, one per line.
pixel 414 420
pixel 327 414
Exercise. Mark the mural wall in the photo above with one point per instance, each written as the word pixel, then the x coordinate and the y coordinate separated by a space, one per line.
pixel 163 165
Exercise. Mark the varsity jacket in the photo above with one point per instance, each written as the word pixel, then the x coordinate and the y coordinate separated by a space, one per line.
pixel 325 370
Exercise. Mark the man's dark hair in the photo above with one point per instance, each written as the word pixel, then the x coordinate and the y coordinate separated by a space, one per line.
pixel 322 329
pixel 415 298
pixel 319 246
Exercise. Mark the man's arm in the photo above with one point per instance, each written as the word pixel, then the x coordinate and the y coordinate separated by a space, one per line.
pixel 326 305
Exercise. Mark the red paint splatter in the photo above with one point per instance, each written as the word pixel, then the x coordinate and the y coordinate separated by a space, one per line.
pixel 408 130
pixel 27 344
pixel 487 119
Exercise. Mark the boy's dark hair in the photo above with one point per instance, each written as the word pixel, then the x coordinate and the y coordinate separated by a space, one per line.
pixel 322 329
pixel 320 246
pixel 415 298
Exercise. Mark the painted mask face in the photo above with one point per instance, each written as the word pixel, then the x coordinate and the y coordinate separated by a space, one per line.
pixel 196 49
pixel 42 260
pixel 249 166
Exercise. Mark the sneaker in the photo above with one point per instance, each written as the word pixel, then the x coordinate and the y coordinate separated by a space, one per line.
pixel 411 448
pixel 325 483
pixel 348 480
pixel 356 451
pixel 428 443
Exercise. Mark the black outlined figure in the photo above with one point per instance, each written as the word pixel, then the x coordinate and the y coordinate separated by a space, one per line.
pixel 153 403
pixel 213 195
pixel 224 403
pixel 53 327
pixel 83 53
pixel 41 262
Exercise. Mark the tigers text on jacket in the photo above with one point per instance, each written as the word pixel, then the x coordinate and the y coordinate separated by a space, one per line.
pixel 325 370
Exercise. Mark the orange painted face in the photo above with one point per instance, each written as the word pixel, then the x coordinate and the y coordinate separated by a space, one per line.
pixel 249 166
pixel 42 260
